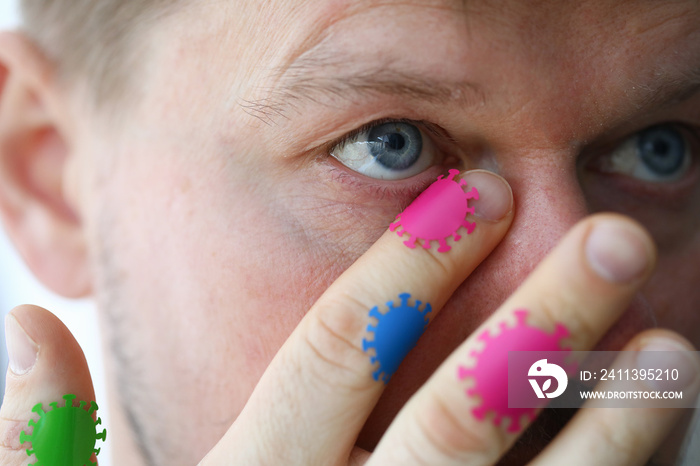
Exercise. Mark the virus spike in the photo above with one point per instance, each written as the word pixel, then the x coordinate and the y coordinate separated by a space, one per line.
pixel 371 328
pixel 24 437
pixel 470 210
pixel 98 421
pixel 426 244
pixel 366 344
pixel 473 194
pixel 521 316
pixel 82 404
pixel 469 226
pixel 462 182
pixel 456 236
pixel 93 407
pixel 38 409
pixel 444 247
pixel 427 310
pixel 374 312
pixel 102 435
pixel 411 242
pixel 395 225
pixel 462 372
pixel 404 299
pixel 452 173
pixel 69 400
pixel 32 423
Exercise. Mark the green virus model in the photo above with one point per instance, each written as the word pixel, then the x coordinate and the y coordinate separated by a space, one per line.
pixel 64 436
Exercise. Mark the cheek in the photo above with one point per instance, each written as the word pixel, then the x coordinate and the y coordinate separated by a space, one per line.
pixel 673 293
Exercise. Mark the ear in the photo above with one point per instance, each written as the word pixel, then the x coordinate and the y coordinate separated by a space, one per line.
pixel 35 161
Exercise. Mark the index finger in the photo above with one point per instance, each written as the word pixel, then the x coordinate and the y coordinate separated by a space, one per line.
pixel 323 383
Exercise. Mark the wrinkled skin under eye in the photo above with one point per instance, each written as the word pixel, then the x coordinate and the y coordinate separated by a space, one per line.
pixel 387 151
pixel 658 154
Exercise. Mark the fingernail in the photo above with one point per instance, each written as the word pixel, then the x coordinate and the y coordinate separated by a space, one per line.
pixel 495 196
pixel 617 251
pixel 21 350
pixel 673 366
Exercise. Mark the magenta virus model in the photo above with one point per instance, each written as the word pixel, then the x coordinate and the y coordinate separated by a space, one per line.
pixel 440 211
pixel 490 374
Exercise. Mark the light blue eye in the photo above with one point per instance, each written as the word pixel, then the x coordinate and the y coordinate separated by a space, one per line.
pixel 662 149
pixel 387 151
pixel 658 154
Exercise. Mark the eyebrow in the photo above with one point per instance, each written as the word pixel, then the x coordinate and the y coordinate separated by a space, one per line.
pixel 314 79
pixel 668 90
pixel 307 79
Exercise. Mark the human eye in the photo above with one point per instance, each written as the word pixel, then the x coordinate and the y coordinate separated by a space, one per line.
pixel 387 150
pixel 659 154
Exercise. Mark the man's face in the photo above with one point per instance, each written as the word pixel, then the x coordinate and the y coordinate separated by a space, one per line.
pixel 216 214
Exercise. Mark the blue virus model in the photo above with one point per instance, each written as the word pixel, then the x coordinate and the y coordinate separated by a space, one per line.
pixel 395 334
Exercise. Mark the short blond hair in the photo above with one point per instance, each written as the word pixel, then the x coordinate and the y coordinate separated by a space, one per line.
pixel 93 39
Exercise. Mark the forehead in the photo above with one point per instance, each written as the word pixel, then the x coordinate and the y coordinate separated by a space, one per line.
pixel 280 60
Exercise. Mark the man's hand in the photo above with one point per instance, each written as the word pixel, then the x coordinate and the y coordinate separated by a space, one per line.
pixel 45 363
pixel 317 393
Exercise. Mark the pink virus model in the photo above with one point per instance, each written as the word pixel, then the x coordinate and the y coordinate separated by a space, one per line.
pixel 440 211
pixel 490 373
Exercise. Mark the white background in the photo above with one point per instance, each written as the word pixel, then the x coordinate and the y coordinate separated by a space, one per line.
pixel 18 286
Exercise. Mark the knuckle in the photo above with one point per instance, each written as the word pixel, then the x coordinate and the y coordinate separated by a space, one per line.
pixel 333 348
pixel 457 438
pixel 11 450
pixel 561 305
pixel 617 439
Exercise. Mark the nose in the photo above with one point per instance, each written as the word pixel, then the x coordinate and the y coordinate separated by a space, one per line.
pixel 548 202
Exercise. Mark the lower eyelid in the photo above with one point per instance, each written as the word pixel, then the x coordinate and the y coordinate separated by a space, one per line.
pixel 370 189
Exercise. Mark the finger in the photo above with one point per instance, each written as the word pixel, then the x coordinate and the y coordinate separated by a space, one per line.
pixel 627 436
pixel 46 363
pixel 569 301
pixel 317 393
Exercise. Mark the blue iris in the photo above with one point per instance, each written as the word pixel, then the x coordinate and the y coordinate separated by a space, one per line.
pixel 662 149
pixel 396 145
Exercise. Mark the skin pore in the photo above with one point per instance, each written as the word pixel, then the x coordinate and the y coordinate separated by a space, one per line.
pixel 215 216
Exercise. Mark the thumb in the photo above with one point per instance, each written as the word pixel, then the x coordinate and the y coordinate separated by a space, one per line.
pixel 46 363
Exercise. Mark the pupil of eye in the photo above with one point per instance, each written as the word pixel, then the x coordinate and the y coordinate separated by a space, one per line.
pixel 395 145
pixel 662 149
pixel 393 141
